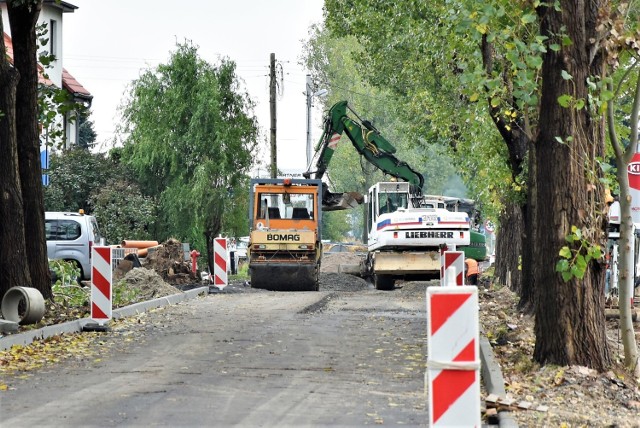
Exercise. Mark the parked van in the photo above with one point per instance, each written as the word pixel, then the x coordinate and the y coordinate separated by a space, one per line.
pixel 70 237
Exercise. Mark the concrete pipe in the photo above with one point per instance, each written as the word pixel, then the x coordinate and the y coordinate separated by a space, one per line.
pixel 33 302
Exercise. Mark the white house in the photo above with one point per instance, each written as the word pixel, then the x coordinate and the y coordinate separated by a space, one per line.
pixel 51 15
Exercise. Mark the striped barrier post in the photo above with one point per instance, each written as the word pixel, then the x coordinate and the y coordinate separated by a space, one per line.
pixel 220 262
pixel 453 364
pixel 101 284
pixel 452 270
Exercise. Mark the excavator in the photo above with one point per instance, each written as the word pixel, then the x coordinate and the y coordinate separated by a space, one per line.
pixel 406 230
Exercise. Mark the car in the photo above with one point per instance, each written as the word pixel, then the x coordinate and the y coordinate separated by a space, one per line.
pixel 70 236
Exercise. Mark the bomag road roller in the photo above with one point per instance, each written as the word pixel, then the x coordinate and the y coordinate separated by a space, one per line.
pixel 284 247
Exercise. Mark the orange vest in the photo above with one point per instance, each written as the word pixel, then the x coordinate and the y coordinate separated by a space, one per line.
pixel 472 267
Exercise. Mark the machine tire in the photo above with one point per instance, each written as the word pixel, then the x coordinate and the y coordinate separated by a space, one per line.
pixel 383 282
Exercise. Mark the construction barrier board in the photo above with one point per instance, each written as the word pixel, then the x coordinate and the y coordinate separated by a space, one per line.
pixel 220 262
pixel 453 363
pixel 101 284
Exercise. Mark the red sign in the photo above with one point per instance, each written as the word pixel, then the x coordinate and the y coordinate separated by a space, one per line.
pixel 633 174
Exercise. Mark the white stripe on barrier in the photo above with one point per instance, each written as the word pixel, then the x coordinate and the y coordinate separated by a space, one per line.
pixel 454 356
pixel 220 262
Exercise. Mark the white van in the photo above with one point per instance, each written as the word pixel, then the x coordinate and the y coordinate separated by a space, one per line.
pixel 70 237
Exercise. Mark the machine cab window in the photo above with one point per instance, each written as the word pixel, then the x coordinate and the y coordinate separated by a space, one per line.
pixel 290 206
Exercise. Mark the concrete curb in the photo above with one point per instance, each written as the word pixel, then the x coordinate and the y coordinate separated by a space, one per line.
pixel 493 380
pixel 28 337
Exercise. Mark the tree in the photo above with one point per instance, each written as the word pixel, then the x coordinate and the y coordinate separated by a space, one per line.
pixel 568 199
pixel 190 140
pixel 86 133
pixel 626 276
pixel 23 17
pixel 24 240
pixel 13 251
pixel 122 211
pixel 625 46
pixel 75 175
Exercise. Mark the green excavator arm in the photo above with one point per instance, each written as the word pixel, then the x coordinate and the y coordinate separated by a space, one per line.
pixel 367 141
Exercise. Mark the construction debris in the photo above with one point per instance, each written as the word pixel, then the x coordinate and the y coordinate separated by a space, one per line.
pixel 168 261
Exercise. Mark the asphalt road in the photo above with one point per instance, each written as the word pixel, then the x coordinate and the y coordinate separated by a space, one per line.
pixel 335 358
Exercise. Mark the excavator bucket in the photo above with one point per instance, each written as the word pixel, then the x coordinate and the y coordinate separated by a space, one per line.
pixel 341 201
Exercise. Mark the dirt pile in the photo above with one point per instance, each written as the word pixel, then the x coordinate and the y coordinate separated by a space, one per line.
pixel 169 262
pixel 148 283
pixel 331 261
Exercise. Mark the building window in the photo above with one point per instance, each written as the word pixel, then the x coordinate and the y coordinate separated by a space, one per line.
pixel 53 35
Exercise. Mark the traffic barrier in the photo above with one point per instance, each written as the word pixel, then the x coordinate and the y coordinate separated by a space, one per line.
pixel 101 284
pixel 220 262
pixel 452 270
pixel 453 363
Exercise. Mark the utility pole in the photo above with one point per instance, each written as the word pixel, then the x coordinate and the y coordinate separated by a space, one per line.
pixel 272 102
pixel 308 92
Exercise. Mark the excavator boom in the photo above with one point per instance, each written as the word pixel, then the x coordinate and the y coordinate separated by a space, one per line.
pixel 367 141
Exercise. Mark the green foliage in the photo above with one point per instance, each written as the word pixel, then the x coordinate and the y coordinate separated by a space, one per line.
pixel 575 257
pixel 123 294
pixel 335 64
pixel 191 135
pixel 336 225
pixel 86 133
pixel 66 290
pixel 54 102
pixel 122 211
pixel 426 54
pixel 243 272
pixel 74 175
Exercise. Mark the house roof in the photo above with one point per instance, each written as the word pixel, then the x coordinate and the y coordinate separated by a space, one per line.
pixel 72 85
pixel 69 83
pixel 65 6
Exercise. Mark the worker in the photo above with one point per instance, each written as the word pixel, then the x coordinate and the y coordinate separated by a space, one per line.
pixel 472 271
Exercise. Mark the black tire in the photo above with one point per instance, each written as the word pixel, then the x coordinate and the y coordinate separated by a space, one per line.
pixel 384 282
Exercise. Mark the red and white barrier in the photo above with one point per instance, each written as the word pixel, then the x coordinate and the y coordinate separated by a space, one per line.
pixel 101 284
pixel 220 262
pixel 453 364
pixel 452 268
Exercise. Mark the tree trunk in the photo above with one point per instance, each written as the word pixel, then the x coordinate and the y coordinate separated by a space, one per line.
pixel 509 247
pixel 569 315
pixel 13 257
pixel 529 258
pixel 510 244
pixel 23 21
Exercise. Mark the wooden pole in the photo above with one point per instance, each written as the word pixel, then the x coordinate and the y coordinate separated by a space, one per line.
pixel 272 102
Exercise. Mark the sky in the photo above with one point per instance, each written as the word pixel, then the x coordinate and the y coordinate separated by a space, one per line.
pixel 107 44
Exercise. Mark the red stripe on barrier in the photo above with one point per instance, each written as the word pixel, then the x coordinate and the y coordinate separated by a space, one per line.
pixel 222 242
pixel 449 385
pixel 101 283
pixel 450 258
pixel 468 353
pixel 220 261
pixel 105 253
pixel 443 306
pixel 97 313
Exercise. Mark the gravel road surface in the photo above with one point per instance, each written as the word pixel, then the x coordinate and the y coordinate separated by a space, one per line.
pixel 348 355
